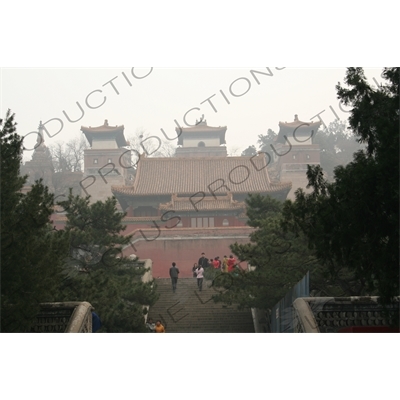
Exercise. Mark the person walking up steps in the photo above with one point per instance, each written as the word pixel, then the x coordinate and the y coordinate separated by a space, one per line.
pixel 159 328
pixel 203 261
pixel 199 273
pixel 173 273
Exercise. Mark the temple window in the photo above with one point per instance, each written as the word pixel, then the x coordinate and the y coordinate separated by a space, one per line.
pixel 109 160
pixel 294 157
pixel 145 211
pixel 95 161
pixel 205 222
pixel 308 156
pixel 225 222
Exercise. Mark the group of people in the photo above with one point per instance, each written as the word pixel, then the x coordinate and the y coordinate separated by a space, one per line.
pixel 157 327
pixel 227 264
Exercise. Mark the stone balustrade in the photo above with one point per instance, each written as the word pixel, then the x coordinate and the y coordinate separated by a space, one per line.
pixel 67 317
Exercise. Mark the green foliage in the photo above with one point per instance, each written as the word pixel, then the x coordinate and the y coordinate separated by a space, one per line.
pixel 337 145
pixel 98 272
pixel 264 144
pixel 277 258
pixel 277 261
pixel 265 141
pixel 354 221
pixel 249 152
pixel 84 262
pixel 32 253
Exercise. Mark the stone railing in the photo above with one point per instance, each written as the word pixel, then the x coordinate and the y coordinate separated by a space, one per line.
pixel 343 314
pixel 73 316
pixel 260 321
pixel 68 317
pixel 147 277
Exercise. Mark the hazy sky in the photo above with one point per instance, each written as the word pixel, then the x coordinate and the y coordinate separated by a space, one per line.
pixel 163 95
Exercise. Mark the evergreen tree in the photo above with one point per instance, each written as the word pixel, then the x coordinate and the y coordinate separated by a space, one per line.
pixel 98 272
pixel 277 261
pixel 265 141
pixel 249 151
pixel 31 251
pixel 354 221
pixel 337 145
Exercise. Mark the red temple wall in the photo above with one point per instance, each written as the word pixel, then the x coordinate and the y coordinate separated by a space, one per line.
pixel 181 245
pixel 183 252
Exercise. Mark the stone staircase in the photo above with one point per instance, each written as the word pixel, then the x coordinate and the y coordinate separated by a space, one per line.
pixel 191 311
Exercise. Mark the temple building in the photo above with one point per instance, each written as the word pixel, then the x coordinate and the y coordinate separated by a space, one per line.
pixel 178 207
pixel 194 202
pixel 200 185
pixel 201 140
pixel 107 161
pixel 41 167
pixel 41 164
pixel 294 150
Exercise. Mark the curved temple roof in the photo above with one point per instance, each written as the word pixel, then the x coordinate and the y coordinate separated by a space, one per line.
pixel 105 131
pixel 202 129
pixel 297 128
pixel 219 175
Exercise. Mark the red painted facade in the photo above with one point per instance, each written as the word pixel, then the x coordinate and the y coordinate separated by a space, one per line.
pixel 176 244
pixel 184 247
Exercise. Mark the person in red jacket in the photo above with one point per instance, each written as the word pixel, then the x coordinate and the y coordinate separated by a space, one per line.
pixel 231 263
pixel 215 263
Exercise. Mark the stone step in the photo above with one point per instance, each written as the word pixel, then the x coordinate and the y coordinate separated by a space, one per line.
pixel 190 311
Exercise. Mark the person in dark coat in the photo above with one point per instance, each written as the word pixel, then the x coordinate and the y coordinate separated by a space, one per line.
pixel 203 261
pixel 96 322
pixel 173 273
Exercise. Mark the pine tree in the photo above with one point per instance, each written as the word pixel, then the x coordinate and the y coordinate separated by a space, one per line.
pixel 32 253
pixel 98 272
pixel 278 260
pixel 354 221
pixel 337 146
